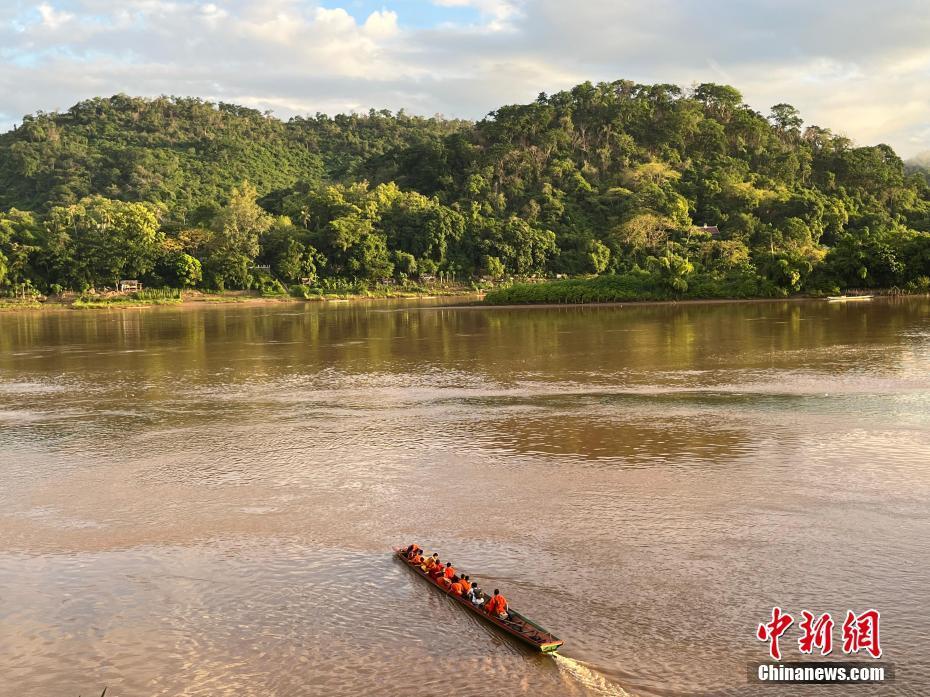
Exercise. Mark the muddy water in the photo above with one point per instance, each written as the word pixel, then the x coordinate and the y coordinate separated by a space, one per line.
pixel 202 501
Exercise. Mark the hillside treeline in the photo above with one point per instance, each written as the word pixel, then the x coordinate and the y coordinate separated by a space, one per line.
pixel 615 179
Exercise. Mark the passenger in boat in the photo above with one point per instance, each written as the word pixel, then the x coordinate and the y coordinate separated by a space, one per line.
pixel 449 571
pixel 432 562
pixel 497 606
pixel 417 557
pixel 474 595
pixel 437 571
pixel 466 584
pixel 412 551
pixel 456 587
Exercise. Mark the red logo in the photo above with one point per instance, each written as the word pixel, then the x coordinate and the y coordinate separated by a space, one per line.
pixel 816 633
pixel 771 631
pixel 860 632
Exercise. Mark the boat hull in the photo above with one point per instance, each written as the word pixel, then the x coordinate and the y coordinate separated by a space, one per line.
pixel 518 626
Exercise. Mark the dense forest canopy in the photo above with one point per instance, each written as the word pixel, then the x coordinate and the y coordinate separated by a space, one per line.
pixel 603 179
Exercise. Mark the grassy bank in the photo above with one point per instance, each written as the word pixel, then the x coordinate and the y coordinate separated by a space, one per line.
pixel 7 305
pixel 631 286
pixel 151 296
pixel 347 289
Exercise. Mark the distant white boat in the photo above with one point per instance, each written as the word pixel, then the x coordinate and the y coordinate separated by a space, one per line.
pixel 846 298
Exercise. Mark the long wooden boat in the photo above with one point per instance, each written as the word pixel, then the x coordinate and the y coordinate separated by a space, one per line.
pixel 517 626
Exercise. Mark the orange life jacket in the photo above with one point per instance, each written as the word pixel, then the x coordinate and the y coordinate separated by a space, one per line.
pixel 457 588
pixel 466 585
pixel 450 571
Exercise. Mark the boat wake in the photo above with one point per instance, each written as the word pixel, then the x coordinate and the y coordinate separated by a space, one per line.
pixel 588 678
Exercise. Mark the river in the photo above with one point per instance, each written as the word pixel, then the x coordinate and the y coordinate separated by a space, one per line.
pixel 202 501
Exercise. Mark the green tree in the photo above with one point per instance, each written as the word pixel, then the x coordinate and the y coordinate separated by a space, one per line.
pixel 19 244
pixel 786 118
pixel 493 267
pixel 598 256
pixel 234 246
pixel 671 271
pixel 187 270
pixel 405 264
pixel 99 241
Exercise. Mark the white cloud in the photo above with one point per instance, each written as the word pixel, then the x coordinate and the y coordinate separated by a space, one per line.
pixel 855 66
pixel 500 12
pixel 381 24
pixel 52 18
pixel 213 14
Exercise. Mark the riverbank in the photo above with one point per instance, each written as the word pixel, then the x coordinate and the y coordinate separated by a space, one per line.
pixel 104 301
pixel 594 292
pixel 649 288
pixel 633 286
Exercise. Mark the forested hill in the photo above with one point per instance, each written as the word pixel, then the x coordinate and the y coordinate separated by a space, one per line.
pixel 188 153
pixel 610 178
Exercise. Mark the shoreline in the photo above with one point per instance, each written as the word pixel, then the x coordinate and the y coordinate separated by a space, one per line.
pixel 480 305
pixel 195 299
pixel 200 300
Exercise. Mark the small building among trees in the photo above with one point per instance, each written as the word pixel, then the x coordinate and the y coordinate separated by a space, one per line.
pixel 711 230
pixel 129 286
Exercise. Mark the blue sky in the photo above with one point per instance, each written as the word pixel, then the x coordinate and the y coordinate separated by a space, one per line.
pixel 414 14
pixel 858 67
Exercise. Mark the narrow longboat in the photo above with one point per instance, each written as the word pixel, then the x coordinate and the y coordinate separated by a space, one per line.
pixel 517 626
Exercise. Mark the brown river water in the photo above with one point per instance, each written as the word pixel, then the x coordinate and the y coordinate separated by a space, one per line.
pixel 203 501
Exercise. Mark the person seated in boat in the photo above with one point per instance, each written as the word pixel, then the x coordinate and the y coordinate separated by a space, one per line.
pixel 497 606
pixel 417 557
pixel 449 571
pixel 475 596
pixel 437 571
pixel 431 563
pixel 456 587
pixel 411 550
pixel 466 584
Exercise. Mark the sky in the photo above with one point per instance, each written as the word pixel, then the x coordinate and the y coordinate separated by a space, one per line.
pixel 858 67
